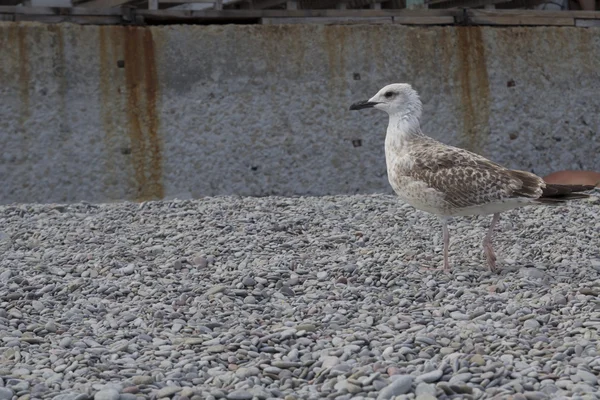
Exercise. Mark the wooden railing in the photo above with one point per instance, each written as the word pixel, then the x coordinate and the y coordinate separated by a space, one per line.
pixel 410 12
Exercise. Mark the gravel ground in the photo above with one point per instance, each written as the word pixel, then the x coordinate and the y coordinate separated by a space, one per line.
pixel 295 298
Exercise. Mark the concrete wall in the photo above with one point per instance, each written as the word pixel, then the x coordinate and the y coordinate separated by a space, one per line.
pixel 111 113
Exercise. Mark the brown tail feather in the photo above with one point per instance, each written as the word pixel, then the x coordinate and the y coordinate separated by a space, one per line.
pixel 559 193
pixel 551 192
pixel 557 190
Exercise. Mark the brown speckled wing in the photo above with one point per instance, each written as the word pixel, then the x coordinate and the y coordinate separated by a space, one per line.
pixel 467 179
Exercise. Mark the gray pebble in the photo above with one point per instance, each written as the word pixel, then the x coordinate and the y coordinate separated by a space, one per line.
pixel 240 395
pixel 531 324
pixel 587 377
pixel 532 273
pixel 322 275
pixel 432 376
pixel 464 377
pixel 71 396
pixel 129 269
pixel 200 262
pixel 215 289
pixel 535 395
pixel 459 316
pixel 248 281
pixel 425 388
pixel 142 380
pixel 400 385
pixel 5 276
pixel 244 372
pixel 6 393
pixel 168 391
pixel 107 394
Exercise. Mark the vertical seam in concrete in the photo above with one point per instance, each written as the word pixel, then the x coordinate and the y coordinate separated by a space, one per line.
pixel 143 123
pixel 24 75
pixel 474 87
pixel 107 82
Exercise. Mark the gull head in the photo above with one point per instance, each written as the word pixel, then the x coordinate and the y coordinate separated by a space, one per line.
pixel 397 99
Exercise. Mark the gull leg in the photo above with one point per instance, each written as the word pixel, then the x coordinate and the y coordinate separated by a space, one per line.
pixel 487 244
pixel 446 238
pixel 446 235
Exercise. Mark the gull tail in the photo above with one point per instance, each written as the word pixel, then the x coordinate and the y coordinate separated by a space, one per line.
pixel 552 193
pixel 555 193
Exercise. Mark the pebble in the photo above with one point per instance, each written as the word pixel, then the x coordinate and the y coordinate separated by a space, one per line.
pixel 432 376
pixel 425 388
pixel 168 391
pixel 464 377
pixel 401 385
pixel 459 316
pixel 215 289
pixel 330 361
pixel 587 377
pixel 531 324
pixel 6 393
pixel 200 262
pixel 244 372
pixel 322 275
pixel 240 395
pixel 107 394
pixel 142 380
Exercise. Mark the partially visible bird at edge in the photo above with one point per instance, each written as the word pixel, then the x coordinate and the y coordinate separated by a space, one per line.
pixel 448 181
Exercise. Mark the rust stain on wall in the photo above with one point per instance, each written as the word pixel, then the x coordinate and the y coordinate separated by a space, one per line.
pixel 142 91
pixel 372 38
pixel 18 34
pixel 108 93
pixel 59 71
pixel 446 53
pixel 585 50
pixel 335 41
pixel 5 48
pixel 472 76
pixel 129 94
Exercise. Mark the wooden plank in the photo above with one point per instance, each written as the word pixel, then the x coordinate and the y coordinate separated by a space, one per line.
pixel 587 23
pixel 521 20
pixel 81 20
pixel 18 10
pixel 259 4
pixel 105 3
pixel 327 20
pixel 535 13
pixel 187 1
pixel 441 20
pixel 324 13
pixel 326 16
pixel 469 4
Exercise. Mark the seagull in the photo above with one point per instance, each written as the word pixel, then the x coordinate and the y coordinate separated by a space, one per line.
pixel 448 181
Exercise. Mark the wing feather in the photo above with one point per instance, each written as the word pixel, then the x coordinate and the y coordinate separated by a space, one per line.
pixel 467 179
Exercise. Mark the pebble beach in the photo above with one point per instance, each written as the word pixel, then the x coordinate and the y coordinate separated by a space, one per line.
pixel 295 298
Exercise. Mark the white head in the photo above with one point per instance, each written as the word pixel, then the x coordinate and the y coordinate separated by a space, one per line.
pixel 398 100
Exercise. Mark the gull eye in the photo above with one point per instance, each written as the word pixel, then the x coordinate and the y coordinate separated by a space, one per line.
pixel 389 95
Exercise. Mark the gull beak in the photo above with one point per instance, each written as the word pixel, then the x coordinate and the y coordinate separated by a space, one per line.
pixel 363 104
